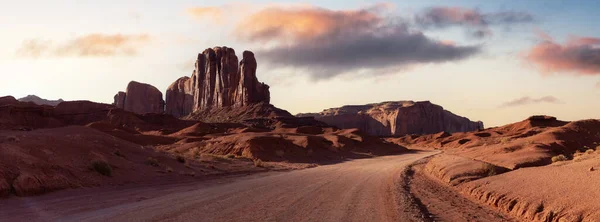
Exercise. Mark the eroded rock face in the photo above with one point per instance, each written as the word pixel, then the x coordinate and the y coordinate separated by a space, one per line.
pixel 396 118
pixel 140 98
pixel 119 100
pixel 180 97
pixel 218 81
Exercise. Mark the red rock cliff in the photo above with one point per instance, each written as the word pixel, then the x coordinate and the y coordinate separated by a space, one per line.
pixel 396 118
pixel 140 98
pixel 218 81
pixel 180 97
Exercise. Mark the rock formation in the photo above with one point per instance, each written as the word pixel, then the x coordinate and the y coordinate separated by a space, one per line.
pixel 37 100
pixel 218 81
pixel 396 118
pixel 180 97
pixel 140 98
pixel 119 100
pixel 6 100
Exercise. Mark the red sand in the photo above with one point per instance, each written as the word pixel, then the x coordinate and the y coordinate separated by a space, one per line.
pixel 44 148
pixel 536 189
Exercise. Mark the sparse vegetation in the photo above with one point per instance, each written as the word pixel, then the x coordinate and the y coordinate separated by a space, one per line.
pixel 118 153
pixel 230 156
pixel 102 167
pixel 490 169
pixel 169 169
pixel 258 163
pixel 279 153
pixel 216 157
pixel 152 162
pixel 559 158
pixel 180 158
pixel 589 151
pixel 12 139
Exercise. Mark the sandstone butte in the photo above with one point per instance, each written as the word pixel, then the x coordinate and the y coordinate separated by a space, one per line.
pixel 396 118
pixel 140 98
pixel 217 81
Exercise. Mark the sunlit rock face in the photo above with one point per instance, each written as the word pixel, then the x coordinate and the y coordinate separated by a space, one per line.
pixel 396 118
pixel 219 80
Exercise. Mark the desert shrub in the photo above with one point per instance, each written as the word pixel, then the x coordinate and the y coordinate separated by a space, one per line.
pixel 216 157
pixel 118 153
pixel 13 139
pixel 589 151
pixel 169 169
pixel 230 156
pixel 504 140
pixel 279 153
pixel 152 161
pixel 258 163
pixel 102 167
pixel 490 169
pixel 180 159
pixel 559 158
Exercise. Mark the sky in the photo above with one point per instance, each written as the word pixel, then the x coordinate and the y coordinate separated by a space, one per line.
pixel 494 61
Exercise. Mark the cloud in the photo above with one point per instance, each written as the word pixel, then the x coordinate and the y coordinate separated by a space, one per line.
pixel 92 45
pixel 33 48
pixel 478 23
pixel 526 100
pixel 304 23
pixel 213 13
pixel 578 56
pixel 328 43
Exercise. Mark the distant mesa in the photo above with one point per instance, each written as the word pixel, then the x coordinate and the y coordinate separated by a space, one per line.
pixel 39 101
pixel 140 98
pixel 396 118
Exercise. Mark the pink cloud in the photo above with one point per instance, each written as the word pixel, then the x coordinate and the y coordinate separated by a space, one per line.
pixel 579 56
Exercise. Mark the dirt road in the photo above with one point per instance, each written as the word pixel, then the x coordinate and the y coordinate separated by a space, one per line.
pixel 357 190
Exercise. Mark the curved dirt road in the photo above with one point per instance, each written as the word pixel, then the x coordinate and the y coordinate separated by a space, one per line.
pixel 357 190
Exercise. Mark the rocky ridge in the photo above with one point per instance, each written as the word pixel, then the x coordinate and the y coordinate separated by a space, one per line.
pixel 396 118
pixel 39 101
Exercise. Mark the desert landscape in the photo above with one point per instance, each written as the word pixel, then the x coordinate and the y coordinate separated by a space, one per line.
pixel 459 112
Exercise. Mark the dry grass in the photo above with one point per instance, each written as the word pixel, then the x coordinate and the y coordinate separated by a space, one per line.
pixel 215 157
pixel 9 139
pixel 180 158
pixel 279 153
pixel 505 140
pixel 102 167
pixel 118 153
pixel 559 158
pixel 152 162
pixel 490 169
pixel 258 163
